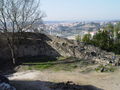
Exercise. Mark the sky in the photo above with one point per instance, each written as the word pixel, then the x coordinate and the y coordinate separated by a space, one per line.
pixel 62 10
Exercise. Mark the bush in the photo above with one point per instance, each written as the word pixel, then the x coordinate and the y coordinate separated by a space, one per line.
pixel 87 38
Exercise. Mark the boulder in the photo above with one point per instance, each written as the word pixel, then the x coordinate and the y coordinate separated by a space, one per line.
pixel 6 86
pixel 4 83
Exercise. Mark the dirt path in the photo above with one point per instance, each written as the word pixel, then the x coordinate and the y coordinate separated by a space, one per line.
pixel 106 81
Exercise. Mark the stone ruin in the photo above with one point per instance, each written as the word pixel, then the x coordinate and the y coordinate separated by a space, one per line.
pixel 46 45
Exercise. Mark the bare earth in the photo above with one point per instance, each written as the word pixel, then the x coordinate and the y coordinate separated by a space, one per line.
pixel 105 81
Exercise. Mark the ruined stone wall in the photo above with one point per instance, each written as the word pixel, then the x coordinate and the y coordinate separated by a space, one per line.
pixel 55 46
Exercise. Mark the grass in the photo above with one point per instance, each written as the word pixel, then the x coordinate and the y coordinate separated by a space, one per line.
pixel 44 66
pixel 54 65
pixel 38 65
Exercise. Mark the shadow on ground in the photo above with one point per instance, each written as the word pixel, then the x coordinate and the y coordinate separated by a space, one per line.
pixel 44 85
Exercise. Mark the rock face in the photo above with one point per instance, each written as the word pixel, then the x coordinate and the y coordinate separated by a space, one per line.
pixel 46 45
pixel 4 83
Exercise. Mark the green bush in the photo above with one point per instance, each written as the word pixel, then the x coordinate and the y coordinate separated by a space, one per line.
pixel 87 38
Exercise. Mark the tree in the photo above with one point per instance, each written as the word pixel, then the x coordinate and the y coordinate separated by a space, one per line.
pixel 87 38
pixel 16 17
pixel 107 39
pixel 102 39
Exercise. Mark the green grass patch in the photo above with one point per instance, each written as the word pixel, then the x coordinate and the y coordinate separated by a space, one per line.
pixel 55 67
pixel 65 67
pixel 39 66
pixel 58 65
pixel 44 66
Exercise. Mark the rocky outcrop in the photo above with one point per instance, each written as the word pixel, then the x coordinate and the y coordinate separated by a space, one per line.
pixel 84 51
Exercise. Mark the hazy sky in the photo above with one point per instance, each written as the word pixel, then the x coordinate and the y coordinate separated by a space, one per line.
pixel 81 9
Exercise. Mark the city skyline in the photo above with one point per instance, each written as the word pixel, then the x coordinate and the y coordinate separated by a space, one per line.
pixel 61 10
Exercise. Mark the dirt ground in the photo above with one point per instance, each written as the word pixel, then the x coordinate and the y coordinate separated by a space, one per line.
pixel 26 80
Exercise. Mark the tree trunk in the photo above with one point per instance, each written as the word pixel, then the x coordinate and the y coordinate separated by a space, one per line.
pixel 13 56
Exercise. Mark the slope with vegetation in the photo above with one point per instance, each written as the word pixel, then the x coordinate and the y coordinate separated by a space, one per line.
pixel 107 39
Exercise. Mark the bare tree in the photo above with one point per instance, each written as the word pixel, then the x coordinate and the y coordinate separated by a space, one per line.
pixel 16 17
